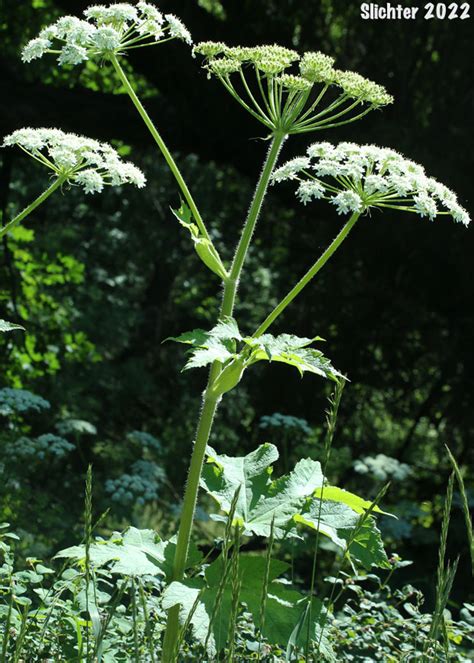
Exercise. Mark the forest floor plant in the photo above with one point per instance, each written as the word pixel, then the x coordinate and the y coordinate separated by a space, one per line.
pixel 288 94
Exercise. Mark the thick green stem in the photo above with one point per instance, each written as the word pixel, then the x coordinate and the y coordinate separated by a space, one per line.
pixel 312 271
pixel 32 206
pixel 163 148
pixel 210 402
pixel 231 286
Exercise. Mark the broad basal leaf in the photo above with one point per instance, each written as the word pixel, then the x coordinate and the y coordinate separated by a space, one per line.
pixel 285 607
pixel 367 547
pixel 332 519
pixel 260 500
pixel 9 326
pixel 136 553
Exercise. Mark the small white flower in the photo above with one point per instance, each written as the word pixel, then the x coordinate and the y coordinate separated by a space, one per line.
pixel 150 12
pixel 425 205
pixel 91 180
pixel 151 28
pixel 290 169
pixel 178 29
pixel 347 201
pixel 376 183
pixel 458 213
pixel 330 167
pixel 121 12
pixel 72 54
pixel 401 184
pixel 106 39
pixel 35 48
pixel 310 190
pixel 324 150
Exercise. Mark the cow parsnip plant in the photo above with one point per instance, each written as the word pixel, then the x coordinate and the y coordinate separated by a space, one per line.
pixel 288 94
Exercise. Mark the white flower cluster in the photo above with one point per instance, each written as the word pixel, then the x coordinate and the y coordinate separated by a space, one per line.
pixel 76 159
pixel 355 178
pixel 106 30
pixel 383 468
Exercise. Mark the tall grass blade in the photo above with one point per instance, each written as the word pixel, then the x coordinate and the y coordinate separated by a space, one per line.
pixel 445 573
pixel 331 421
pixel 236 586
pixel 263 600
pixel 148 624
pixel 227 544
pixel 465 506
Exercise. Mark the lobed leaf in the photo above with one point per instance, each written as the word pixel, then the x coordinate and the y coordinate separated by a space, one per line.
pixel 136 553
pixel 357 537
pixel 356 503
pixel 260 499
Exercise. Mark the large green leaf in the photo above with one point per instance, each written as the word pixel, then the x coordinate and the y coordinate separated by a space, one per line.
pixel 260 499
pixel 357 536
pixel 284 609
pixel 136 553
pixel 332 519
pixel 367 547
pixel 356 503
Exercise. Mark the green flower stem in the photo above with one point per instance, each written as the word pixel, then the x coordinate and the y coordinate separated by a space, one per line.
pixel 312 271
pixel 232 284
pixel 162 145
pixel 210 401
pixel 32 206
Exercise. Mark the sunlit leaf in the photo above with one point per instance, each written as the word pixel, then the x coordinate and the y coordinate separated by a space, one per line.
pixel 261 500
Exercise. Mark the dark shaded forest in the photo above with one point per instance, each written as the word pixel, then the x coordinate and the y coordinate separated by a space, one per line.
pixel 99 284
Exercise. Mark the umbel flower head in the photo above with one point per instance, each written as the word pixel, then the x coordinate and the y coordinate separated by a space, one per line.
pixel 106 31
pixel 287 99
pixel 75 159
pixel 356 178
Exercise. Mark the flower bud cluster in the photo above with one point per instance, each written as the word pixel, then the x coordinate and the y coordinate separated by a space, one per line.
pixel 76 159
pixel 355 178
pixel 282 96
pixel 105 31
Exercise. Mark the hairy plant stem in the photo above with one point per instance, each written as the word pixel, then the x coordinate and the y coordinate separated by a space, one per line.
pixel 162 146
pixel 210 402
pixel 311 273
pixel 32 206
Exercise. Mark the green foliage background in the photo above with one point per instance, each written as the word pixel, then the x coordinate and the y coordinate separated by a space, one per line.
pixel 100 282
